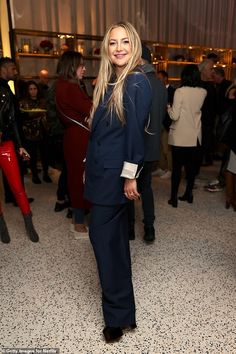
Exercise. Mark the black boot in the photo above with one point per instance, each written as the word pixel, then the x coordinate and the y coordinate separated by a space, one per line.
pixel 112 334
pixel 149 234
pixel 31 232
pixel 187 197
pixel 4 231
pixel 173 202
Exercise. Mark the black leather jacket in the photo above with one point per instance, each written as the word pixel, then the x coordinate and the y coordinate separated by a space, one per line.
pixel 8 108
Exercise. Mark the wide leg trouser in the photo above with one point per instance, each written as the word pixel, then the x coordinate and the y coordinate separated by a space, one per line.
pixel 9 165
pixel 109 237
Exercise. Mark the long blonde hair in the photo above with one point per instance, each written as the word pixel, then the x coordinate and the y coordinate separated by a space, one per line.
pixel 107 71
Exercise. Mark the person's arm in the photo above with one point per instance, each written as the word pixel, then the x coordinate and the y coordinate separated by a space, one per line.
pixel 175 109
pixel 80 102
pixel 137 101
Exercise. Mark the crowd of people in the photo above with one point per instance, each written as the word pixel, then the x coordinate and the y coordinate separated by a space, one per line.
pixel 108 147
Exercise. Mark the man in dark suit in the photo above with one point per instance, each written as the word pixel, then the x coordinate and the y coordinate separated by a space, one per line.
pixel 152 150
pixel 166 157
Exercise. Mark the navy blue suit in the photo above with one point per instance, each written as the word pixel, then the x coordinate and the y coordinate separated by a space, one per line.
pixel 110 145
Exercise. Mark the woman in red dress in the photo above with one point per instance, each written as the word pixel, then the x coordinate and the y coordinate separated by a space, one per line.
pixel 73 105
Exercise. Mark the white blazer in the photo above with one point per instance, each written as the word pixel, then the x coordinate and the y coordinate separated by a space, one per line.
pixel 185 112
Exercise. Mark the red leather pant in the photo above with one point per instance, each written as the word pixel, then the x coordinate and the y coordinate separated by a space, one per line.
pixel 9 165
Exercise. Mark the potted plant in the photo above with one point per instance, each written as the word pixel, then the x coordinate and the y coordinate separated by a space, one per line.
pixel 46 45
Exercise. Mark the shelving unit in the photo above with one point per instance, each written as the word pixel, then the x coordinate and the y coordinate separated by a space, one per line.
pixel 31 58
pixel 172 58
pixel 168 57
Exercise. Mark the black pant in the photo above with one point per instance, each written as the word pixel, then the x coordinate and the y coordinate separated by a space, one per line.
pixel 33 147
pixel 187 157
pixel 145 188
pixel 62 189
pixel 108 233
pixel 207 144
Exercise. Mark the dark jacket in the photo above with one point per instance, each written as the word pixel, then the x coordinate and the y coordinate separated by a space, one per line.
pixel 209 105
pixel 156 115
pixel 170 98
pixel 8 111
pixel 112 144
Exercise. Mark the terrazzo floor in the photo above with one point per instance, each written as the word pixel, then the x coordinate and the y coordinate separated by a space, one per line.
pixel 185 283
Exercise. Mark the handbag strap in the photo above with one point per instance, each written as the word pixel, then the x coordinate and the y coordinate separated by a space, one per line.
pixel 71 119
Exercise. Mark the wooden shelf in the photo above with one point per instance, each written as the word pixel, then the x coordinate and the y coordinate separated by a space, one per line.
pixel 174 62
pixel 37 55
pixel 54 56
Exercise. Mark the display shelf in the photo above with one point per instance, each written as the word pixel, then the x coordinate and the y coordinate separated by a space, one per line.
pixel 31 58
pixel 172 57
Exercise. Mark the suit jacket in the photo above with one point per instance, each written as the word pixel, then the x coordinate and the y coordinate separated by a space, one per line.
pixel 185 129
pixel 156 116
pixel 170 97
pixel 111 145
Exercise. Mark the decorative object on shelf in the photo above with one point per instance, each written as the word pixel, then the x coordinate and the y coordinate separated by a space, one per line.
pixel 35 50
pixel 179 57
pixel 96 51
pixel 25 45
pixel 80 47
pixel 46 45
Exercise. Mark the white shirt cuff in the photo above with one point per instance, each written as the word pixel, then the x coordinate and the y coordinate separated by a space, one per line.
pixel 129 170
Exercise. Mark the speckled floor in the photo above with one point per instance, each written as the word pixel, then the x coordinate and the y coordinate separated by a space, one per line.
pixel 185 283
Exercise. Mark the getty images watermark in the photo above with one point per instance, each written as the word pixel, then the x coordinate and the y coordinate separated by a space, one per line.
pixel 30 351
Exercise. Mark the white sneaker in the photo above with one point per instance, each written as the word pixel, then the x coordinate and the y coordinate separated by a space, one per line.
pixel 159 172
pixel 79 235
pixel 166 175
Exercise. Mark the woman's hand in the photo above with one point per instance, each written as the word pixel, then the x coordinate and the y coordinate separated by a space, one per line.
pixel 130 189
pixel 24 154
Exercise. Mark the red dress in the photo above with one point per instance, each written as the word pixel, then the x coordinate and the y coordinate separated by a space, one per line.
pixel 72 101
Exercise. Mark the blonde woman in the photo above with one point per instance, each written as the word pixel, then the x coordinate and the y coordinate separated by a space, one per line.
pixel 121 102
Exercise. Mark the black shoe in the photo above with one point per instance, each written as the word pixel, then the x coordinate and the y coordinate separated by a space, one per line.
pixel 46 178
pixel 112 334
pixel 186 198
pixel 61 206
pixel 30 200
pixel 5 238
pixel 173 202
pixel 69 213
pixel 131 234
pixel 149 234
pixel 33 236
pixel 36 179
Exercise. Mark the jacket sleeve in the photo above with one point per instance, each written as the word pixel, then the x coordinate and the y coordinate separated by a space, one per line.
pixel 174 111
pixel 137 101
pixel 8 124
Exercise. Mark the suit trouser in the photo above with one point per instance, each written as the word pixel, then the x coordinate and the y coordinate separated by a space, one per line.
pixel 108 233
pixel 166 157
pixel 189 158
pixel 9 165
pixel 145 188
